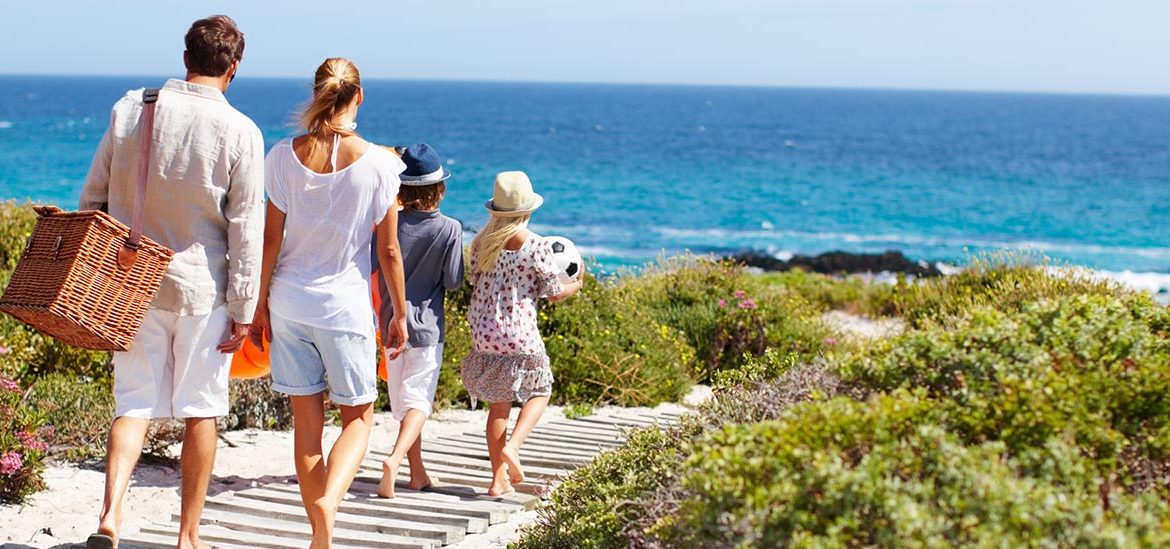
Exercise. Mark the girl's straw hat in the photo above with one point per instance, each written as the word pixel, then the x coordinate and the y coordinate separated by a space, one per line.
pixel 513 196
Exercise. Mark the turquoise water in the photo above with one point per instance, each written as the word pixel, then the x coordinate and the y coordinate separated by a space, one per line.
pixel 630 172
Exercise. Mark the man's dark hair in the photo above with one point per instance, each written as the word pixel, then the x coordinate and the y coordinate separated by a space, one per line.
pixel 213 44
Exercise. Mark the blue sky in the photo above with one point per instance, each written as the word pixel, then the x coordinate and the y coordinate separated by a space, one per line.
pixel 1117 46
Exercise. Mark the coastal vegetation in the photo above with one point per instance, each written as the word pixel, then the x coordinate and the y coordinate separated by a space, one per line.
pixel 1020 407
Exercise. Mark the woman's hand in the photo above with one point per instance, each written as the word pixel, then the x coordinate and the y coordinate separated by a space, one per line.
pixel 396 342
pixel 261 329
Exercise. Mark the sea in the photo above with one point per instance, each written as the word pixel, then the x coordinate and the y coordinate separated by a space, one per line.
pixel 632 173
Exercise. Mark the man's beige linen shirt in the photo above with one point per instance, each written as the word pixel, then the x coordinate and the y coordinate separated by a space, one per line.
pixel 204 195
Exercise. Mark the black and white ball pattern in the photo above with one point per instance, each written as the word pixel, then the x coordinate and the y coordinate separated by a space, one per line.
pixel 567 258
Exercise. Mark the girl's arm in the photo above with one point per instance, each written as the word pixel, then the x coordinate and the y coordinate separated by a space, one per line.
pixel 273 239
pixel 568 289
pixel 390 263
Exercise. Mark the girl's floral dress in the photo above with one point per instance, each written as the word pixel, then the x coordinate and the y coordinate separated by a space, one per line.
pixel 508 361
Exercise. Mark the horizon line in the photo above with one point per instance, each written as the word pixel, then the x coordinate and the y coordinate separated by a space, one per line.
pixel 996 91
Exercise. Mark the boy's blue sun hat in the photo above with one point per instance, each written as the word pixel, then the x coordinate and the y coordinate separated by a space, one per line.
pixel 423 166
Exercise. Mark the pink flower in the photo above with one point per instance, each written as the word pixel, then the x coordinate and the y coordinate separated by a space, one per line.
pixel 30 441
pixel 740 294
pixel 11 463
pixel 722 303
pixel 9 385
pixel 4 350
pixel 747 304
pixel 830 341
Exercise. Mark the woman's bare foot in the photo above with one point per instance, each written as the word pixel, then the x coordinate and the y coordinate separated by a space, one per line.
pixel 322 514
pixel 389 476
pixel 511 458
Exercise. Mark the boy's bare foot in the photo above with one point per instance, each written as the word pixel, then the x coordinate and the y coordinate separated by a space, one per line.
pixel 511 458
pixel 419 482
pixel 389 476
pixel 322 514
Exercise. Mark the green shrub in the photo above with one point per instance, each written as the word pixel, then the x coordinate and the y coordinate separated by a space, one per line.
pixel 594 504
pixel 1095 367
pixel 254 405
pixel 1005 281
pixel 842 473
pixel 62 399
pixel 605 348
pixel 724 312
pixel 22 444
pixel 851 294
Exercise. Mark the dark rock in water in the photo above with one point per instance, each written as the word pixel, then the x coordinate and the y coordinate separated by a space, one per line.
pixel 841 263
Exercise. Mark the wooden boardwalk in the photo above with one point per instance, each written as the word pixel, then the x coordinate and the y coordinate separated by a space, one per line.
pixel 270 515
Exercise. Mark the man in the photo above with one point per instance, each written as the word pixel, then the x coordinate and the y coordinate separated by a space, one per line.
pixel 204 200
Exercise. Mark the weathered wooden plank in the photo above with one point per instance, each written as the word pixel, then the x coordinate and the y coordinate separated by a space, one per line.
pixel 547 449
pixel 356 507
pixel 482 465
pixel 584 427
pixel 219 536
pixel 300 530
pixel 493 512
pixel 535 457
pixel 575 442
pixel 445 534
pixel 439 490
pixel 484 483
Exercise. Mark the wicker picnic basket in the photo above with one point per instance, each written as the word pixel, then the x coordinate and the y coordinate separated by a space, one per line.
pixel 84 277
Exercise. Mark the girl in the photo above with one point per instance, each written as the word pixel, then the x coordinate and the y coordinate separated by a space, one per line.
pixel 326 188
pixel 511 268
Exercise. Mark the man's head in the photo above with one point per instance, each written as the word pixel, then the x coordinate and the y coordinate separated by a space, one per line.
pixel 214 47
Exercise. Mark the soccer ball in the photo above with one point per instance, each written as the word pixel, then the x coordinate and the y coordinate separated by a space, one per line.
pixel 567 258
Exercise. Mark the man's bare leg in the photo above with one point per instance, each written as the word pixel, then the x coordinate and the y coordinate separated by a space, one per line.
pixel 124 445
pixel 195 464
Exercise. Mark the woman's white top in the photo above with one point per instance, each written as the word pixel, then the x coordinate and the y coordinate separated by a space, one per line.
pixel 322 276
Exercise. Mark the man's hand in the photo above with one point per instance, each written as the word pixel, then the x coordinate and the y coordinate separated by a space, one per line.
pixel 235 338
pixel 396 342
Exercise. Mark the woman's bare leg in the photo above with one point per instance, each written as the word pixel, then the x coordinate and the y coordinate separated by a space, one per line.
pixel 345 459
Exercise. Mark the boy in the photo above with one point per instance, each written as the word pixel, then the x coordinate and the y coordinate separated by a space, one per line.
pixel 432 261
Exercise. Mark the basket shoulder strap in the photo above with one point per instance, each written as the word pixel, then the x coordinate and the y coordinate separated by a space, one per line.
pixel 128 255
pixel 149 99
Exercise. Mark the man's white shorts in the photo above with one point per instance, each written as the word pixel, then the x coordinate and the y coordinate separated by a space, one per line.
pixel 412 379
pixel 173 368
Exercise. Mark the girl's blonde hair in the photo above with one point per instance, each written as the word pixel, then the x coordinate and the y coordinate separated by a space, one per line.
pixel 491 240
pixel 335 85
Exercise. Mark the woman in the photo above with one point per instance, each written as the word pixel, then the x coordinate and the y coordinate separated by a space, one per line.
pixel 326 188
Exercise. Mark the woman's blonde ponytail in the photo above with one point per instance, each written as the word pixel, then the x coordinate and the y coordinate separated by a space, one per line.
pixel 335 86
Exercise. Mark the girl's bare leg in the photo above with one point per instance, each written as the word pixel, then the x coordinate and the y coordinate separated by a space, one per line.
pixel 497 431
pixel 510 453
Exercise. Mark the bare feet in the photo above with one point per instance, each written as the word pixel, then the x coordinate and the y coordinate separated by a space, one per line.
pixel 389 476
pixel 511 458
pixel 499 489
pixel 419 482
pixel 322 514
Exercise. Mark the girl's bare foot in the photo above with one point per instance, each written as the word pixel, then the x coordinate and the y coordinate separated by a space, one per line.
pixel 499 489
pixel 511 458
pixel 389 476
